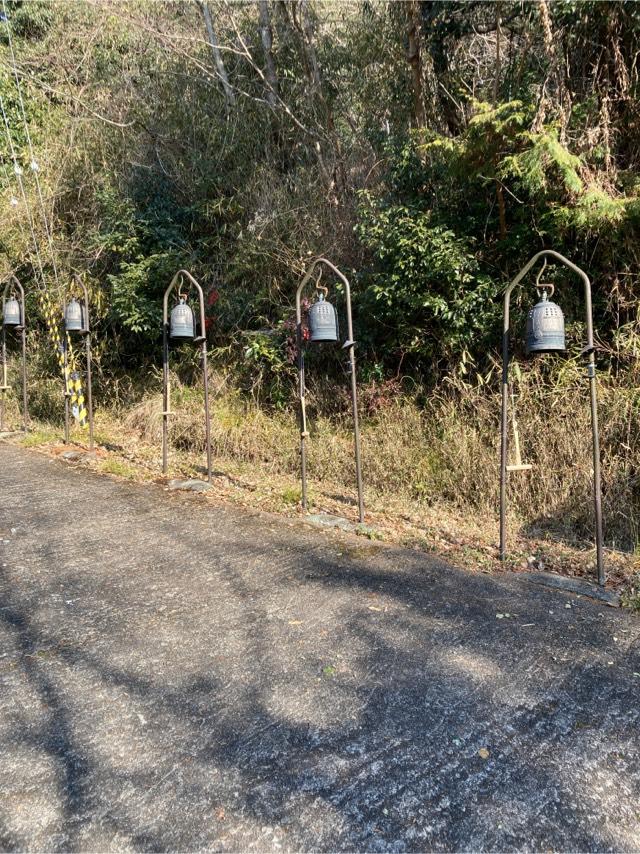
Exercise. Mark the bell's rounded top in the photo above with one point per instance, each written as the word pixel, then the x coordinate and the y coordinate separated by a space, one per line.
pixel 12 316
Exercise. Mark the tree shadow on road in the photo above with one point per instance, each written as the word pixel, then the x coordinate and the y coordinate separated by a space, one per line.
pixel 339 704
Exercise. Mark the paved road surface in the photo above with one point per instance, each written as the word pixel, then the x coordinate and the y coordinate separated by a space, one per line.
pixel 177 676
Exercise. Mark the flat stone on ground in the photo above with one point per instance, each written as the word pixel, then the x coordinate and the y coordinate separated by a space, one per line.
pixel 190 485
pixel 574 585
pixel 328 520
pixel 71 456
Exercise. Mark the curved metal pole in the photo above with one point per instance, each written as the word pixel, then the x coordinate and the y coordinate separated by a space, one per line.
pixel 589 350
pixel 86 331
pixel 23 335
pixel 202 340
pixel 348 345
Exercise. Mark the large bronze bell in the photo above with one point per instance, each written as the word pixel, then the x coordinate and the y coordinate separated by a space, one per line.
pixel 545 326
pixel 12 316
pixel 323 321
pixel 73 317
pixel 181 324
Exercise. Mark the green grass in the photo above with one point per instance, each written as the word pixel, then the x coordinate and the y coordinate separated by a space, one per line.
pixel 119 469
pixel 292 495
pixel 38 437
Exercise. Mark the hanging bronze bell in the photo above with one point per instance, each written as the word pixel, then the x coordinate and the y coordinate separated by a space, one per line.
pixel 181 324
pixel 323 321
pixel 545 327
pixel 12 316
pixel 74 317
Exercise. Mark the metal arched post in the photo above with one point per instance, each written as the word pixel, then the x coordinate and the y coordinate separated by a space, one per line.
pixel 348 345
pixel 200 339
pixel 588 350
pixel 15 283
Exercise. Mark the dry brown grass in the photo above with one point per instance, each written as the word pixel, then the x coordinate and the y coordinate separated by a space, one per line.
pixel 444 451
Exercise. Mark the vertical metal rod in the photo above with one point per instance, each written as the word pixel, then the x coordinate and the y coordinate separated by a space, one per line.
pixel 205 371
pixel 302 390
pixel 303 420
pixel 66 396
pixel 3 355
pixel 89 389
pixel 597 485
pixel 354 400
pixel 356 432
pixel 65 368
pixel 25 410
pixel 165 394
pixel 503 432
pixel 593 396
pixel 87 334
pixel 207 428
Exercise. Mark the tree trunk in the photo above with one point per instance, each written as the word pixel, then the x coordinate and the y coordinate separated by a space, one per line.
pixel 556 75
pixel 266 36
pixel 414 58
pixel 498 66
pixel 217 55
pixel 309 47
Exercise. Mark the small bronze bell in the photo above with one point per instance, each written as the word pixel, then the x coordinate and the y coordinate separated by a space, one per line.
pixel 545 326
pixel 181 323
pixel 12 316
pixel 74 317
pixel 323 321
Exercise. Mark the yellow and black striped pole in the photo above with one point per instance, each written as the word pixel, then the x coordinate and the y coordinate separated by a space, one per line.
pixel 66 357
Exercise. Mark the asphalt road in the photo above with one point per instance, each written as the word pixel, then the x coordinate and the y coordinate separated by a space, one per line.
pixel 177 676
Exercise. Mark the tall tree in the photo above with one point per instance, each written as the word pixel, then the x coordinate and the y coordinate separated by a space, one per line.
pixel 217 54
pixel 414 58
pixel 266 37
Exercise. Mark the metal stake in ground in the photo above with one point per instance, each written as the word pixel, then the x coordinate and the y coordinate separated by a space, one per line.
pixel 589 351
pixel 13 317
pixel 182 327
pixel 325 332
